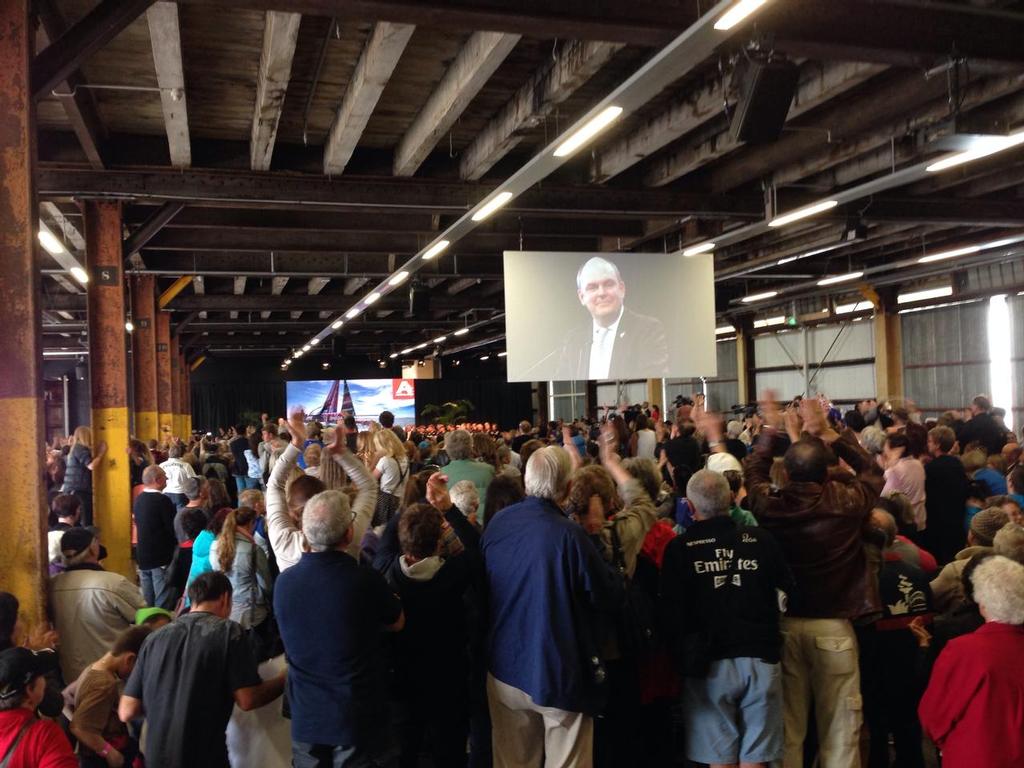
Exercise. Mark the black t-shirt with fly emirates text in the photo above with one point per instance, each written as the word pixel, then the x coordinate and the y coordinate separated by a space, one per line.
pixel 723 580
pixel 186 676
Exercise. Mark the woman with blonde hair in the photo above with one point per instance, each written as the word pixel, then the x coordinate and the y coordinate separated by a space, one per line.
pixel 486 450
pixel 391 471
pixel 81 463
pixel 236 554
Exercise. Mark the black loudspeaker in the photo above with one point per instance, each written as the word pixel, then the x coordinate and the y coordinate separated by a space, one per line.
pixel 338 346
pixel 766 89
pixel 419 298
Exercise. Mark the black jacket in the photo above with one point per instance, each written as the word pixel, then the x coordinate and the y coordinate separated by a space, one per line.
pixel 720 579
pixel 640 349
pixel 154 521
pixel 945 485
pixel 982 429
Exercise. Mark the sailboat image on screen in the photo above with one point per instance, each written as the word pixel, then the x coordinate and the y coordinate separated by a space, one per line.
pixel 328 413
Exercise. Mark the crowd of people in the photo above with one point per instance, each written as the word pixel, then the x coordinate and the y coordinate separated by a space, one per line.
pixel 787 585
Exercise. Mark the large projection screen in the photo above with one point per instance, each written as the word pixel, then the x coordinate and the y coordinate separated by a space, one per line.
pixel 576 316
pixel 330 400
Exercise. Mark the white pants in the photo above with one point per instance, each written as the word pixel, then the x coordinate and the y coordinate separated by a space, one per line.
pixel 525 735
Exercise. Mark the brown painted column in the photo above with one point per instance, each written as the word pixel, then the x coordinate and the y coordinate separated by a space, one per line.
pixel 745 363
pixel 23 490
pixel 888 335
pixel 163 373
pixel 108 379
pixel 144 357
pixel 175 387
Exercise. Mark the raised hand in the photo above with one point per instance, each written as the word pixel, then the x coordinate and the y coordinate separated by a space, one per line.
pixel 437 492
pixel 338 446
pixel 770 409
pixel 296 426
pixel 793 423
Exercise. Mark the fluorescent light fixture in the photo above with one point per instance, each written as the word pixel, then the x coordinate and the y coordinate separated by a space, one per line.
pixel 928 293
pixel 693 250
pixel 759 297
pixel 314 341
pixel 371 298
pixel 593 126
pixel 1000 355
pixel 398 279
pixel 393 355
pixel 461 332
pixel 949 254
pixel 298 353
pixel 80 275
pixel 485 357
pixel 406 351
pixel 840 278
pixel 305 348
pixel 492 205
pixel 737 13
pixel 983 147
pixel 337 324
pixel 440 339
pixel 436 248
pixel 724 329
pixel 770 321
pixel 860 306
pixel 51 243
pixel 502 354
pixel 420 346
pixel 352 313
pixel 129 326
pixel 803 213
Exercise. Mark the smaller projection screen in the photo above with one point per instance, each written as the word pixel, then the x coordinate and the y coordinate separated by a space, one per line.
pixel 600 316
pixel 329 401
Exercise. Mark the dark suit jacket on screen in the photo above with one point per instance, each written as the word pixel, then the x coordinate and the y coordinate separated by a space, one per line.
pixel 640 350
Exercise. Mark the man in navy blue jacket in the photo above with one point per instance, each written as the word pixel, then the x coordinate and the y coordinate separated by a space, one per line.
pixel 548 587
pixel 331 611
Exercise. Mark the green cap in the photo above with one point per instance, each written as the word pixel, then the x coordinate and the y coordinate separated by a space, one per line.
pixel 144 614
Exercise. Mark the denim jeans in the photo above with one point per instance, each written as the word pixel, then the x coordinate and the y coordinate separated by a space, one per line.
pixel 329 756
pixel 155 587
pixel 242 482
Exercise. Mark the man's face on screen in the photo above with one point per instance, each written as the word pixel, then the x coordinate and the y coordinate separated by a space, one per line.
pixel 601 292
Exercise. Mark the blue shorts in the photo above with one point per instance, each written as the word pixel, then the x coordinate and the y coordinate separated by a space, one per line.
pixel 734 715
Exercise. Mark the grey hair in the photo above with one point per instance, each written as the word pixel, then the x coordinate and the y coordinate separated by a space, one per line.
pixel 597 261
pixel 325 519
pixel 873 439
pixel 547 473
pixel 1009 542
pixel 734 429
pixel 151 474
pixel 708 492
pixel 459 445
pixel 646 473
pixel 999 589
pixel 194 490
pixel 465 496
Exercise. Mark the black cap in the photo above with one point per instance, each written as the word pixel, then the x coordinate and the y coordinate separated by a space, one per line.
pixel 75 541
pixel 18 668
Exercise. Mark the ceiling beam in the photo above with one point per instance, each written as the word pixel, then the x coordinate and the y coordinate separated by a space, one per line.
pixel 165 36
pixel 819 82
pixel 149 229
pixel 280 34
pixel 55 63
pixel 391 196
pixel 377 62
pixel 643 23
pixel 289 302
pixel 478 59
pixel 238 288
pixel 951 212
pixel 77 101
pixel 576 62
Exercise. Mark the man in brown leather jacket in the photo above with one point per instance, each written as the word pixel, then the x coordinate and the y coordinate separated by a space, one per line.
pixel 818 518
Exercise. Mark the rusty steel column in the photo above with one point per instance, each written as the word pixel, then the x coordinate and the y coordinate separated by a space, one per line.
pixel 144 357
pixel 23 490
pixel 175 388
pixel 163 374
pixel 108 379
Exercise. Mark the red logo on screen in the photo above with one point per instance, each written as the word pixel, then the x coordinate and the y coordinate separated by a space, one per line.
pixel 403 389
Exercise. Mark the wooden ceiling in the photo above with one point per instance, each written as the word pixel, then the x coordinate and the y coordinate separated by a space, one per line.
pixel 434 103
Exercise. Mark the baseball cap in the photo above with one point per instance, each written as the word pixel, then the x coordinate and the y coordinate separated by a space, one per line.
pixel 144 614
pixel 76 540
pixel 723 462
pixel 18 668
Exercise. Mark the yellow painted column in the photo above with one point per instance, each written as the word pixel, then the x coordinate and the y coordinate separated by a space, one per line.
pixel 175 387
pixel 147 426
pixel 654 389
pixel 163 374
pixel 888 335
pixel 22 489
pixel 108 368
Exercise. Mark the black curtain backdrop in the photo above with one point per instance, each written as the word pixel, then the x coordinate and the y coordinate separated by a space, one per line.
pixel 496 401
pixel 221 403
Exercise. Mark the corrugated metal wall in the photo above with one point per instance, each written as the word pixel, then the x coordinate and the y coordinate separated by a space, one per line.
pixel 723 389
pixel 945 356
pixel 1017 350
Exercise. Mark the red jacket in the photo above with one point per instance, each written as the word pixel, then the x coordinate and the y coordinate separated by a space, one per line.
pixel 44 744
pixel 974 706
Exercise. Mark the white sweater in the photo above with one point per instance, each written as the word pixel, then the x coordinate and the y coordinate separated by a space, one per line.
pixel 287 539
